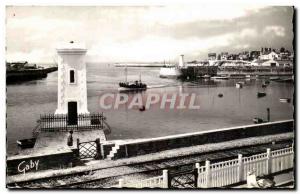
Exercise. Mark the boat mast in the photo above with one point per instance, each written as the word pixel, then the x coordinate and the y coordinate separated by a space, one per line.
pixel 126 73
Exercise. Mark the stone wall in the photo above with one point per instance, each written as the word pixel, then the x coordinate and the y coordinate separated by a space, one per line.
pixel 30 163
pixel 142 147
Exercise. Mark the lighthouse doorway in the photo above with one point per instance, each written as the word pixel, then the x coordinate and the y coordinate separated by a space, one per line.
pixel 72 113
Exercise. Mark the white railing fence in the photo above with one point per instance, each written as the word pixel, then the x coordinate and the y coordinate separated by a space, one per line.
pixel 257 163
pixel 234 171
pixel 154 182
pixel 226 172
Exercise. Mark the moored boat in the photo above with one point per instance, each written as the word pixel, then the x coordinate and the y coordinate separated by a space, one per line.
pixel 287 80
pixel 257 120
pixel 274 78
pixel 261 94
pixel 206 76
pixel 239 85
pixel 220 77
pixel 285 100
pixel 26 143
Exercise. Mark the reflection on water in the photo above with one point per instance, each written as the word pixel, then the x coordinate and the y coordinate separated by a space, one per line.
pixel 26 101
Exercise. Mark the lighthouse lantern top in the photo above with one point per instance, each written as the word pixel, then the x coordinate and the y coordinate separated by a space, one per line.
pixel 71 48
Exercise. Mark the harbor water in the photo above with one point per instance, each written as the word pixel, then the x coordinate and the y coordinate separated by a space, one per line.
pixel 27 100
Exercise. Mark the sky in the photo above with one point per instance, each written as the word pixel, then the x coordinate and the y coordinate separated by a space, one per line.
pixel 145 33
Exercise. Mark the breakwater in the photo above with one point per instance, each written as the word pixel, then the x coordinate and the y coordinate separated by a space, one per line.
pixel 196 72
pixel 13 76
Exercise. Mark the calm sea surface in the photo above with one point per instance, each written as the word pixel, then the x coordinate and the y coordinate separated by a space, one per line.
pixel 26 101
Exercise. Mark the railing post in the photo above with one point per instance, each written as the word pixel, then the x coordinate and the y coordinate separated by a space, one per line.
pixel 207 174
pixel 121 183
pixel 78 143
pixel 98 148
pixel 269 161
pixel 78 153
pixel 165 178
pixel 240 168
pixel 196 177
pixel 197 165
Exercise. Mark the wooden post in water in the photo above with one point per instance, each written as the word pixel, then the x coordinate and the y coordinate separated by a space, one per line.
pixel 268 112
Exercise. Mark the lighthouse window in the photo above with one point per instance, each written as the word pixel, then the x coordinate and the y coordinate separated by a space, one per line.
pixel 72 76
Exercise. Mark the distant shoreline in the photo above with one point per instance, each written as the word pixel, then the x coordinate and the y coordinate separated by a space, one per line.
pixel 139 65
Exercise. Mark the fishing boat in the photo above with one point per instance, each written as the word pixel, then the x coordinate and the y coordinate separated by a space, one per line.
pixel 131 86
pixel 274 78
pixel 142 108
pixel 239 85
pixel 257 120
pixel 287 80
pixel 285 100
pixel 261 94
pixel 26 143
pixel 206 76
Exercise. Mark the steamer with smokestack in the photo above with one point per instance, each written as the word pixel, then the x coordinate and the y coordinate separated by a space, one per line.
pixel 171 71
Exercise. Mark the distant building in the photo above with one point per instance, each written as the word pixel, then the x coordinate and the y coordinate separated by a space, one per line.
pixel 232 57
pixel 272 63
pixel 254 55
pixel 285 63
pixel 212 56
pixel 269 56
pixel 224 55
pixel 245 56
pixel 20 65
pixel 284 55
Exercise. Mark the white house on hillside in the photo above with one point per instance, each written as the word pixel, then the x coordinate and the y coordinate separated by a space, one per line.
pixel 269 56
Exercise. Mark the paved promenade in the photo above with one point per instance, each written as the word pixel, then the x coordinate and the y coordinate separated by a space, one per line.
pixel 186 155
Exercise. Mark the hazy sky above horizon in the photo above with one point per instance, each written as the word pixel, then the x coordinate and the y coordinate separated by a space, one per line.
pixel 149 33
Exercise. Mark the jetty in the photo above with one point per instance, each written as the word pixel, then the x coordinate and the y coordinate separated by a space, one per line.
pixel 22 71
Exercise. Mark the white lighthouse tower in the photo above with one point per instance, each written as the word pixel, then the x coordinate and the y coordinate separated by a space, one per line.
pixel 72 90
pixel 181 61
